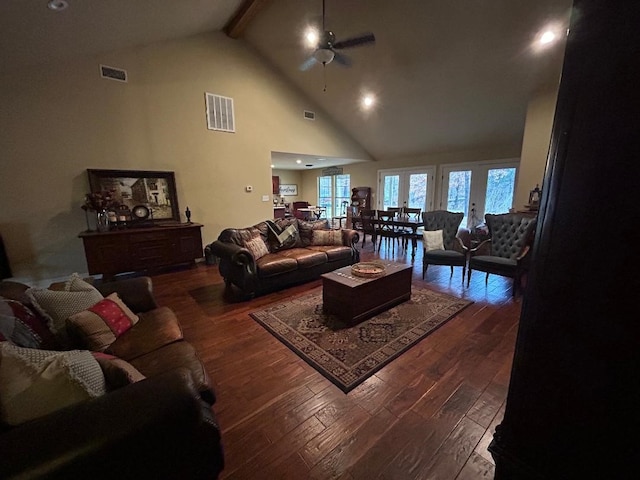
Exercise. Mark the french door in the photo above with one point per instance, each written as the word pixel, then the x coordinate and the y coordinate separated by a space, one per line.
pixel 478 188
pixel 407 187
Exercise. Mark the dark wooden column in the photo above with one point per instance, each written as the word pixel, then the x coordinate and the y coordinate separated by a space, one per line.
pixel 574 398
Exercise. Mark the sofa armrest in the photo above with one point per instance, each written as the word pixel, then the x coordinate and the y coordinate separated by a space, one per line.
pixel 484 248
pixel 136 293
pixel 155 428
pixel 232 252
pixel 350 237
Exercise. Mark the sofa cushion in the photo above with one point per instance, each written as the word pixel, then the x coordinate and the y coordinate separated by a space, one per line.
pixel 333 253
pixel 117 372
pixel 275 264
pixel 257 247
pixel 34 382
pixel 100 325
pixel 305 257
pixel 22 326
pixel 326 237
pixel 175 355
pixel 154 330
pixel 58 305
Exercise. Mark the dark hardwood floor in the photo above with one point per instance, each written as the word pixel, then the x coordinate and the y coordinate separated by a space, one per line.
pixel 428 414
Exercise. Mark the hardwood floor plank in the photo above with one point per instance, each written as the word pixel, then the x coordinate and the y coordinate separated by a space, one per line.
pixel 476 468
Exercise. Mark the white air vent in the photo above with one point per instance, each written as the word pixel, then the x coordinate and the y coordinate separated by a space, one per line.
pixel 220 114
pixel 309 115
pixel 113 73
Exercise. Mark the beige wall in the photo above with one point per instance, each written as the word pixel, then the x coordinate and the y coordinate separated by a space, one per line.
pixel 290 177
pixel 535 144
pixel 60 120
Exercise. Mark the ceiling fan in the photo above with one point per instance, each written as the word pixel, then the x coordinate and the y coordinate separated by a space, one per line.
pixel 327 45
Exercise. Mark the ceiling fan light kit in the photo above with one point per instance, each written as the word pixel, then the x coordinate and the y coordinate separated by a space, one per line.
pixel 325 50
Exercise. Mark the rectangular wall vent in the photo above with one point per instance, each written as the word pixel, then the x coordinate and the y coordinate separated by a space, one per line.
pixel 220 114
pixel 113 73
pixel 309 115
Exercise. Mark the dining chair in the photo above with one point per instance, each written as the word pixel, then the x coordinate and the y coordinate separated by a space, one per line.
pixel 507 251
pixel 367 226
pixel 451 251
pixel 388 231
pixel 413 215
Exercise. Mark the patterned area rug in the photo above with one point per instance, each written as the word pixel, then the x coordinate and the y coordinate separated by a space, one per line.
pixel 349 355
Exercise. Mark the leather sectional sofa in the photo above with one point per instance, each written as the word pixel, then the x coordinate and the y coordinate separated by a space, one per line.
pixel 296 251
pixel 160 425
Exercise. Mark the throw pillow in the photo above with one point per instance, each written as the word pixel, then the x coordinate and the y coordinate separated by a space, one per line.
pixel 34 383
pixel 326 237
pixel 117 372
pixel 433 240
pixel 21 326
pixel 102 323
pixel 257 247
pixel 283 236
pixel 306 230
pixel 56 306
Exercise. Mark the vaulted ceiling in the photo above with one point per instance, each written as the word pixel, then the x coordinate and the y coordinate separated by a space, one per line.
pixel 447 75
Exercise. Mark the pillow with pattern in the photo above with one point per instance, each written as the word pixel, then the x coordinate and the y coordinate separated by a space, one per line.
pixel 102 323
pixel 306 230
pixel 58 305
pixel 257 247
pixel 34 382
pixel 21 326
pixel 326 237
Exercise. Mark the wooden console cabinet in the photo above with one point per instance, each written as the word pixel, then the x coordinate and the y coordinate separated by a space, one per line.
pixel 137 249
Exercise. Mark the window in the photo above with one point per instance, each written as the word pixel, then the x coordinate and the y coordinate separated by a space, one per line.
pixel 408 187
pixel 334 193
pixel 488 185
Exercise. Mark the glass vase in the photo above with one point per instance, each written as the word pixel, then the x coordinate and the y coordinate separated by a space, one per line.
pixel 102 220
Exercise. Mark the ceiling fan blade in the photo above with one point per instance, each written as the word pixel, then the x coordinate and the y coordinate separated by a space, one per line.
pixel 307 64
pixel 342 59
pixel 355 41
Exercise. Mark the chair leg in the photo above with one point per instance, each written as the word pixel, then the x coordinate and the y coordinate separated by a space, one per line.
pixel 486 279
pixel 464 268
pixel 451 271
pixel 468 277
pixel 424 269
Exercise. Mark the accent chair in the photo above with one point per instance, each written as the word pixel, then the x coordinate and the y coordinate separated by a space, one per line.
pixel 506 252
pixel 454 252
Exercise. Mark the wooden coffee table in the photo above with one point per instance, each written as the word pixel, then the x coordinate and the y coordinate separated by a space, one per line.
pixel 353 299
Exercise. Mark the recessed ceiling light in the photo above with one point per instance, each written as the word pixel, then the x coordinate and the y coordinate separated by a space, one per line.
pixel 298 161
pixel 368 101
pixel 57 5
pixel 547 37
pixel 273 166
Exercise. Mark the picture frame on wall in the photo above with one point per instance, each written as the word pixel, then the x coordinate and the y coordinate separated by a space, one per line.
pixel 155 190
pixel 288 190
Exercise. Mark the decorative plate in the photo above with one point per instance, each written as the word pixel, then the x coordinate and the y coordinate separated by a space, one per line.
pixel 367 269
pixel 140 212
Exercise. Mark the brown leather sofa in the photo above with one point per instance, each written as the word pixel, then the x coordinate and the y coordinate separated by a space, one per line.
pixel 160 427
pixel 301 259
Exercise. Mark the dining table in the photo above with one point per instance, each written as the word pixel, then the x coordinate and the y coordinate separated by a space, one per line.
pixel 312 210
pixel 398 222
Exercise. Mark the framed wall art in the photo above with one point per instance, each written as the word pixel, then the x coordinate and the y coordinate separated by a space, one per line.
pixel 135 188
pixel 289 189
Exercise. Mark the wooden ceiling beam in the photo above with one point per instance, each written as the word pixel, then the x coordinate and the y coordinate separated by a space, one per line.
pixel 247 11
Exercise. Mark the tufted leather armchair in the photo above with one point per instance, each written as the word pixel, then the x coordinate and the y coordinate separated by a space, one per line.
pixel 455 252
pixel 506 252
